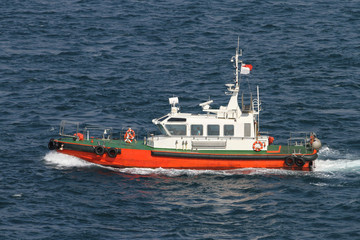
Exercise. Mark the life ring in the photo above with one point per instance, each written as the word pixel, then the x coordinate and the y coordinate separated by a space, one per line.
pixel 112 152
pixel 289 161
pixel 258 146
pixel 129 135
pixel 299 162
pixel 52 144
pixel 99 150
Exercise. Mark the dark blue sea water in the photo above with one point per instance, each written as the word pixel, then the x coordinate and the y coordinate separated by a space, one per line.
pixel 116 63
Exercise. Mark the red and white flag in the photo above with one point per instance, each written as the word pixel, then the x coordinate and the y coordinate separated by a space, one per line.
pixel 246 68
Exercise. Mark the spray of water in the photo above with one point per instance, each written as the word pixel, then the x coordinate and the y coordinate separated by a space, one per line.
pixel 331 160
pixel 63 161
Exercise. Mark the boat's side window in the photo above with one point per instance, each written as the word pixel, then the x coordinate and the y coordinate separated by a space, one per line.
pixel 196 130
pixel 176 129
pixel 213 130
pixel 228 130
pixel 247 129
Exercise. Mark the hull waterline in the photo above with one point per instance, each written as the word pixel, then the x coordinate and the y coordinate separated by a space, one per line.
pixel 139 158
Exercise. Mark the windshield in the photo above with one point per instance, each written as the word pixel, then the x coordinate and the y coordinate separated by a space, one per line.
pixel 162 130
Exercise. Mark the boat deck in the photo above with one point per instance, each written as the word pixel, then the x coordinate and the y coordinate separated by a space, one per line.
pixel 117 143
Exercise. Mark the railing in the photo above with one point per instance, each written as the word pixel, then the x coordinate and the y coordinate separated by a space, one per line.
pixel 300 139
pixel 68 124
pixel 70 129
pixel 104 133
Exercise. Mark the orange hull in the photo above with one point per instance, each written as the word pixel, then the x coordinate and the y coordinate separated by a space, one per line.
pixel 145 159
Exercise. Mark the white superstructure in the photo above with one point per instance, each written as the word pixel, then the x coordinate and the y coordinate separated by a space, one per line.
pixel 227 128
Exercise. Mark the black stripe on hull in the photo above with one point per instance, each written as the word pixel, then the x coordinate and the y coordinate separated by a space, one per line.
pixel 227 157
pixel 81 148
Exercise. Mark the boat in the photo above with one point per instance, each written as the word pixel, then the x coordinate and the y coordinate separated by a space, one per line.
pixel 223 138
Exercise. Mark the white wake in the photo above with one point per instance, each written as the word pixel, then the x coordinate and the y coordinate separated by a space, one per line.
pixel 331 160
pixel 63 161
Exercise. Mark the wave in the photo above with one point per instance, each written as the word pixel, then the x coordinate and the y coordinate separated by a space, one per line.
pixel 63 161
pixel 331 160
pixel 336 165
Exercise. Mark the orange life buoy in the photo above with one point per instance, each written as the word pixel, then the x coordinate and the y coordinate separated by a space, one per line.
pixel 129 135
pixel 258 146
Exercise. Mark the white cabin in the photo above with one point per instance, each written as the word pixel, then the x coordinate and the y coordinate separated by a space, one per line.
pixel 226 128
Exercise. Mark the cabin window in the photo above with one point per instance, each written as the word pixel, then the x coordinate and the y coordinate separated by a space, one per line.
pixel 228 130
pixel 162 118
pixel 176 129
pixel 196 130
pixel 213 130
pixel 162 130
pixel 176 120
pixel 247 129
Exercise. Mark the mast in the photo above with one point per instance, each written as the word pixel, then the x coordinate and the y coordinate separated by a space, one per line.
pixel 233 102
pixel 232 110
pixel 258 108
pixel 237 54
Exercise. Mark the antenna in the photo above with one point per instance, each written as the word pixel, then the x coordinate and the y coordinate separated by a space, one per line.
pixel 258 107
pixel 236 57
pixel 237 49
